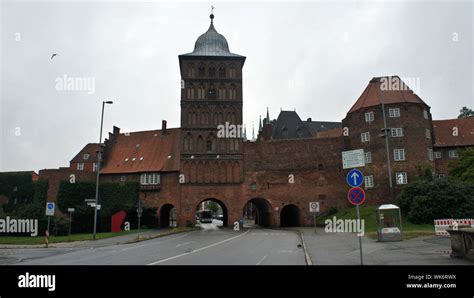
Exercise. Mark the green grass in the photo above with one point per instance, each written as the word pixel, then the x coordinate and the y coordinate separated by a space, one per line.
pixel 26 240
pixel 410 230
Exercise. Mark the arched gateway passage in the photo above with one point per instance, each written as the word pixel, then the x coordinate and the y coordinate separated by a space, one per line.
pixel 258 211
pixel 290 216
pixel 214 208
pixel 167 216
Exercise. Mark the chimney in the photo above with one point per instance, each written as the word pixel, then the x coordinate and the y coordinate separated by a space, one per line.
pixel 163 128
pixel 116 130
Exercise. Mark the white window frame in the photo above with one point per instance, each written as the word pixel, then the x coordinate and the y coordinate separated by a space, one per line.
pixel 453 153
pixel 86 156
pixel 94 167
pixel 428 134
pixel 123 178
pixel 430 154
pixel 397 132
pixel 394 112
pixel 438 155
pixel 150 178
pixel 369 181
pixel 369 117
pixel 425 114
pixel 399 154
pixel 365 137
pixel 368 157
pixel 404 178
pixel 80 166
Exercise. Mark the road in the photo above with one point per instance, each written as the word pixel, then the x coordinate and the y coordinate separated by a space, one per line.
pixel 208 246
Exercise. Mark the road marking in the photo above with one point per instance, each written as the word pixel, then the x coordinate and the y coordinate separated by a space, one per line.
pixel 184 243
pixel 260 262
pixel 154 242
pixel 199 249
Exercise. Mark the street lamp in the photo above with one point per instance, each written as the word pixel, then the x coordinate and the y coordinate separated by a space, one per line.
pixel 99 157
pixel 385 134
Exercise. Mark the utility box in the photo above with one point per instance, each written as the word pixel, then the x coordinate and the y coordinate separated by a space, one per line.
pixel 389 223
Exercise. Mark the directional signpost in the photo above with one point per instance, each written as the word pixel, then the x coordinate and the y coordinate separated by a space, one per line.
pixel 356 196
pixel 314 208
pixel 353 159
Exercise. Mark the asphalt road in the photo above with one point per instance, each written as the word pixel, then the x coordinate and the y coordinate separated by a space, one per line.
pixel 209 246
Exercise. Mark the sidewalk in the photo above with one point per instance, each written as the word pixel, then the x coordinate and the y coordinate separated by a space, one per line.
pixel 343 249
pixel 101 242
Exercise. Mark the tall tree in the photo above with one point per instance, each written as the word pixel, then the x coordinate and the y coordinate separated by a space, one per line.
pixel 465 112
pixel 463 168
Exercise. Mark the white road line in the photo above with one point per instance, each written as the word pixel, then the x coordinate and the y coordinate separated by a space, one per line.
pixel 184 243
pixel 199 249
pixel 154 242
pixel 260 262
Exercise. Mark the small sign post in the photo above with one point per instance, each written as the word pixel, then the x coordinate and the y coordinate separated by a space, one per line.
pixel 314 208
pixel 139 215
pixel 356 196
pixel 50 206
pixel 70 210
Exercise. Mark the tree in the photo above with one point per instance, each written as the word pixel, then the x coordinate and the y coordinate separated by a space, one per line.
pixel 213 206
pixel 465 112
pixel 463 168
pixel 428 198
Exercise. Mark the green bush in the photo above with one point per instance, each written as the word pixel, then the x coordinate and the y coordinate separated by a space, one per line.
pixel 430 198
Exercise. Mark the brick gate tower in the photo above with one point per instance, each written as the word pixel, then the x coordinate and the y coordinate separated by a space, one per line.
pixel 211 115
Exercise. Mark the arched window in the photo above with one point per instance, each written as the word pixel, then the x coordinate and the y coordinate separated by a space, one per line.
pixel 188 143
pixel 201 70
pixel 200 144
pixel 232 71
pixel 201 92
pixel 191 70
pixel 221 92
pixel 212 92
pixel 212 71
pixel 190 92
pixel 232 92
pixel 208 146
pixel 222 71
pixel 299 131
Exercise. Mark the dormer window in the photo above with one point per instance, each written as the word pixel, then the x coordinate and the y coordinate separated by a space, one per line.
pixel 150 179
pixel 86 156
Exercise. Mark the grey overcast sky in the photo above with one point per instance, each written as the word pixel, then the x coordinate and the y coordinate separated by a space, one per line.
pixel 315 57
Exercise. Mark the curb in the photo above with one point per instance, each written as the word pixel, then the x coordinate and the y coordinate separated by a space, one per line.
pixel 309 262
pixel 156 236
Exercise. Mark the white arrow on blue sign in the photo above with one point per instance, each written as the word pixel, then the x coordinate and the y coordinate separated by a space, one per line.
pixel 354 178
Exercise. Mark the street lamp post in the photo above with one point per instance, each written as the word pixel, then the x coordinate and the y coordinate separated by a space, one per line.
pixel 99 157
pixel 385 135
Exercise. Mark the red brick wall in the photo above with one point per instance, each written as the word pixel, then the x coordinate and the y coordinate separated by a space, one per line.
pixel 55 176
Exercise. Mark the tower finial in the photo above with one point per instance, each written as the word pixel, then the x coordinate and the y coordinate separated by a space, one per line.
pixel 212 14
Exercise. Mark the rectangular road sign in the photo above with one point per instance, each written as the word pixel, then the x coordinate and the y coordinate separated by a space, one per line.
pixel 50 208
pixel 313 207
pixel 71 209
pixel 353 159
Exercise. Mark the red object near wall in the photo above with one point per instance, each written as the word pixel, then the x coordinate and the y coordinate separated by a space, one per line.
pixel 117 221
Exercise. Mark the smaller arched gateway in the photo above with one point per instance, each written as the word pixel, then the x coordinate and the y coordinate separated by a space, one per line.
pixel 290 216
pixel 167 216
pixel 259 210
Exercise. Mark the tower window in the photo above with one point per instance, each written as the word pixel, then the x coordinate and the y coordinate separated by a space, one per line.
pixel 191 71
pixel 368 157
pixel 209 146
pixel 365 137
pixel 401 177
pixel 201 71
pixel 222 71
pixel 369 117
pixel 398 154
pixel 212 92
pixel 212 71
pixel 369 181
pixel 394 113
pixel 397 132
pixel 232 71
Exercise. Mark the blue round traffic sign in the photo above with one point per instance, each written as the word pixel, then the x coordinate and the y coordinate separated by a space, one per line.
pixel 50 205
pixel 356 196
pixel 354 178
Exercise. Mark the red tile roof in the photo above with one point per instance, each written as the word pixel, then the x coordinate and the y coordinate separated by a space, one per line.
pixel 443 131
pixel 370 96
pixel 91 149
pixel 144 151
